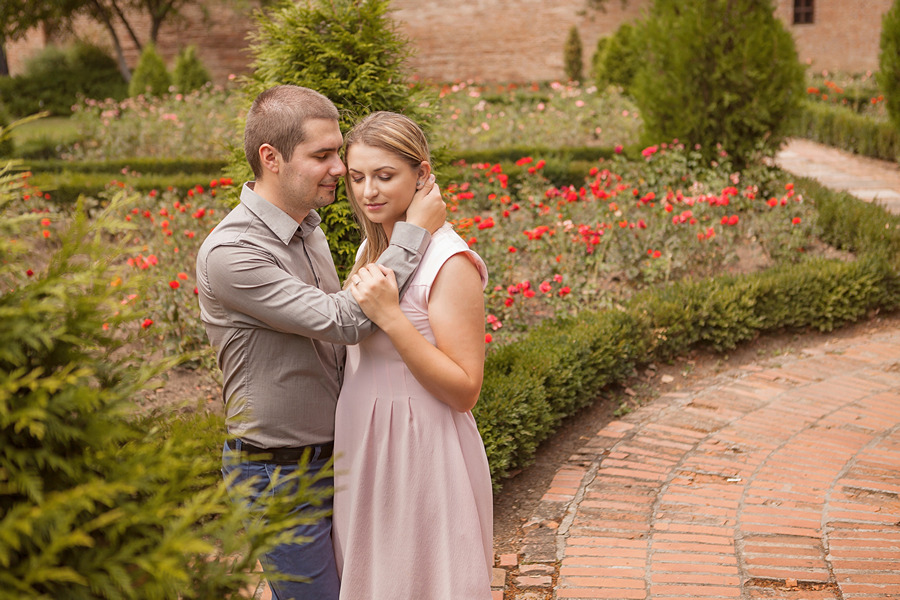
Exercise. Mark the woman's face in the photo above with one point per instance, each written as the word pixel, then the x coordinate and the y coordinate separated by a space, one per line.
pixel 382 182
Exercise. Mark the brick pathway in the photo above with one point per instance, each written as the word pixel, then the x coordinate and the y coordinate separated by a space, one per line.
pixel 774 482
pixel 866 178
pixel 777 481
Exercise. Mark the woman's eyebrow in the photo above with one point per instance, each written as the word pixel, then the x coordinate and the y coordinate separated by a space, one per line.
pixel 390 167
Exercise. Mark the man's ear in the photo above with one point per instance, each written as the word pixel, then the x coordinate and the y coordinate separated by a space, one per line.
pixel 270 158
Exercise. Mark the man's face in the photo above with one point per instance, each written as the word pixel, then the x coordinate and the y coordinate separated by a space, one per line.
pixel 308 181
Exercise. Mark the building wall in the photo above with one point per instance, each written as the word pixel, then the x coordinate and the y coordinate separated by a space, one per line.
pixel 843 37
pixel 503 40
pixel 497 40
pixel 218 31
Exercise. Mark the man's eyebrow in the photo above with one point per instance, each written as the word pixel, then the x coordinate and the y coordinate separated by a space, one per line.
pixel 326 149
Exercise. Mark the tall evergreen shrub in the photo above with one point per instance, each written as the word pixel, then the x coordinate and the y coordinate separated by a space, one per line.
pixel 95 500
pixel 620 57
pixel 718 72
pixel 6 142
pixel 54 78
pixel 350 51
pixel 888 76
pixel 572 55
pixel 150 76
pixel 189 73
pixel 94 73
pixel 597 58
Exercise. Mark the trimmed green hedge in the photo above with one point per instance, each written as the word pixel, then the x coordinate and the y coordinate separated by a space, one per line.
pixel 532 385
pixel 158 166
pixel 65 188
pixel 65 181
pixel 843 128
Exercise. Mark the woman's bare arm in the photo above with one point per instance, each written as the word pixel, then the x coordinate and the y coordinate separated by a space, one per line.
pixel 452 370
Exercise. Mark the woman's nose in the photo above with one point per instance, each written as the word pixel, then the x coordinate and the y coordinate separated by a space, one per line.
pixel 370 190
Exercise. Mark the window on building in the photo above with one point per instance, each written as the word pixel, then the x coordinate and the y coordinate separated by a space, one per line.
pixel 803 12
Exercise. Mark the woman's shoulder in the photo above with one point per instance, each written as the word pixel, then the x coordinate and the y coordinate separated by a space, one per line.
pixel 446 243
pixel 446 236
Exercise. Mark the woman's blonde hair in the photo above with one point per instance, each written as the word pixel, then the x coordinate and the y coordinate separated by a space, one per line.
pixel 399 135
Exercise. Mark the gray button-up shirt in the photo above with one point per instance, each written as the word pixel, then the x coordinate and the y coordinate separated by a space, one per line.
pixel 272 306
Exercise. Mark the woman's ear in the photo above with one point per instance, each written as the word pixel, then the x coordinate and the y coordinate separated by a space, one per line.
pixel 422 173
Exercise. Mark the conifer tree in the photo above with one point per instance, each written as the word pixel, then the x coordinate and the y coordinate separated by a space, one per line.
pixel 621 58
pixel 718 72
pixel 572 55
pixel 350 51
pixel 189 73
pixel 597 60
pixel 150 76
pixel 888 76
pixel 6 142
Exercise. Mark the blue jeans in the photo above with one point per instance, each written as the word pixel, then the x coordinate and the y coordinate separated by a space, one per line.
pixel 314 558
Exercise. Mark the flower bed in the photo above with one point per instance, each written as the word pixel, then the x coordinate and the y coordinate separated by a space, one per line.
pixel 588 280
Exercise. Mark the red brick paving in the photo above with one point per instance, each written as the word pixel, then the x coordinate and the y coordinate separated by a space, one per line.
pixel 777 483
pixel 771 482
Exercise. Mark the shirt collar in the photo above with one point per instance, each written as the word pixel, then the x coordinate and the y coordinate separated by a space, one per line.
pixel 279 222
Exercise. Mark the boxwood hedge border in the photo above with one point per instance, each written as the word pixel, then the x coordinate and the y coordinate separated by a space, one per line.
pixel 532 385
pixel 844 128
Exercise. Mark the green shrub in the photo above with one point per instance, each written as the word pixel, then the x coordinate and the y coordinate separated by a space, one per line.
pixel 572 56
pixel 95 73
pixel 7 147
pixel 155 166
pixel 888 76
pixel 853 225
pixel 718 72
pixel 532 384
pixel 189 72
pixel 844 128
pixel 620 58
pixel 150 77
pixel 97 500
pixel 597 57
pixel 350 51
pixel 66 187
pixel 79 70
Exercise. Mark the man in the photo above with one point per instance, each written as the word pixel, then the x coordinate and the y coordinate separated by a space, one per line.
pixel 271 303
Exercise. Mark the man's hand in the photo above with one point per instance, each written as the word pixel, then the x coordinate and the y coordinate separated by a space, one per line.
pixel 428 209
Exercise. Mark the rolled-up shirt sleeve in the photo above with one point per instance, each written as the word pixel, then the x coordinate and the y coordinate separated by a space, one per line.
pixel 255 291
pixel 408 244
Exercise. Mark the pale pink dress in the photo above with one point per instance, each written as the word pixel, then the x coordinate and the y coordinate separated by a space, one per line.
pixel 413 508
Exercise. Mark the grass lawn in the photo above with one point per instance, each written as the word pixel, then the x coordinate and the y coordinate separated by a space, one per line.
pixel 53 130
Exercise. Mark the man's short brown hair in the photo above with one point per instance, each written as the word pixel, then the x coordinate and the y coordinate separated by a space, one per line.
pixel 278 117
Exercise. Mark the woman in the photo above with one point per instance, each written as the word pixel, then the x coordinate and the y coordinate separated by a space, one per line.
pixel 413 502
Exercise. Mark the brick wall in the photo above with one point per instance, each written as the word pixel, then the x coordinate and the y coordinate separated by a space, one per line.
pixel 501 40
pixel 844 35
pixel 219 32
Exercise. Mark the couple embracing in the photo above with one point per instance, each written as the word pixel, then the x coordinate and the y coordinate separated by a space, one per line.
pixel 381 375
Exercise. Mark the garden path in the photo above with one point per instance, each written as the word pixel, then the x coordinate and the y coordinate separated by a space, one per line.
pixel 866 178
pixel 778 478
